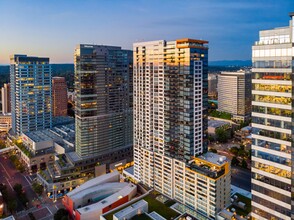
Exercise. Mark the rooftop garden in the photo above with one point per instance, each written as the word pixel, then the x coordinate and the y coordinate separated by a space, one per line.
pixel 162 209
pixel 23 149
pixel 223 115
pixel 239 211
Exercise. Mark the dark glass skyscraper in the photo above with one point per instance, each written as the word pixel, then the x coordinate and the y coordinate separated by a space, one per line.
pixel 103 100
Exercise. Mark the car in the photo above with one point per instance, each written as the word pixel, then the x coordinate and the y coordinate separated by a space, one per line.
pixel 59 195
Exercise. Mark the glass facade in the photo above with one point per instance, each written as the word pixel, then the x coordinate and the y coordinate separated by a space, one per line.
pixel 103 98
pixel 272 159
pixel 31 93
pixel 234 94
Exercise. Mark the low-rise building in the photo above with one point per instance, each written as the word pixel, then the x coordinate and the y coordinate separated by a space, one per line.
pixel 37 149
pixel 129 212
pixel 98 196
pixel 5 122
pixel 244 134
pixel 213 125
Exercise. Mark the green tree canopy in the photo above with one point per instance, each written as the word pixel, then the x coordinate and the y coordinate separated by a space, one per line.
pixel 61 214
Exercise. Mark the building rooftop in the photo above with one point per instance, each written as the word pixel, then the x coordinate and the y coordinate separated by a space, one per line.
pixel 39 136
pixel 105 202
pixel 236 73
pixel 130 209
pixel 62 120
pixel 247 128
pixel 210 164
pixel 213 158
pixel 58 134
pixel 94 182
pixel 130 170
pixel 217 123
pixel 99 191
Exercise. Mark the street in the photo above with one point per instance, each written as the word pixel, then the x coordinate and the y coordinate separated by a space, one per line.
pixel 241 178
pixel 10 176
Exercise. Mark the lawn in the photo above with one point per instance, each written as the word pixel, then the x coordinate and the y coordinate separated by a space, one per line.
pixel 160 208
pixel 218 114
pixel 141 217
pixel 169 203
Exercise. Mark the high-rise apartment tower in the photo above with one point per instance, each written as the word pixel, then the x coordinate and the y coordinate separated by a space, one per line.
pixel 272 122
pixel 170 126
pixel 30 82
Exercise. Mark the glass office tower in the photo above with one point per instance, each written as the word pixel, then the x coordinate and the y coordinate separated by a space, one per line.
pixel 103 100
pixel 170 126
pixel 234 94
pixel 272 122
pixel 30 81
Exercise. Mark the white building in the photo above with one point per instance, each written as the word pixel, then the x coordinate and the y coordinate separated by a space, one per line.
pixel 272 122
pixel 234 94
pixel 170 125
pixel 30 82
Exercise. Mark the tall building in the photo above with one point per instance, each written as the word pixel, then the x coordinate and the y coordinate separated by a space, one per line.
pixel 234 94
pixel 103 101
pixel 59 96
pixel 212 85
pixel 272 117
pixel 30 79
pixel 6 104
pixel 170 126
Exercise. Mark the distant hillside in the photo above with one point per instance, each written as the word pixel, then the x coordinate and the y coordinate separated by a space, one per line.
pixel 240 63
pixel 65 70
pixel 4 69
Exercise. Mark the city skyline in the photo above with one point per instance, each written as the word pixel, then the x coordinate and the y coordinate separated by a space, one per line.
pixel 53 29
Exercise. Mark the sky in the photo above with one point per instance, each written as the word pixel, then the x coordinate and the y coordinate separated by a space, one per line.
pixel 53 28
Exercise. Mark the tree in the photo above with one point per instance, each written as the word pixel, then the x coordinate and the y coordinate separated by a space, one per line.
pixel 242 147
pixel 221 135
pixel 242 153
pixel 38 188
pixel 213 150
pixel 61 214
pixel 31 215
pixel 2 144
pixel 234 150
pixel 244 164
pixel 3 187
pixel 235 161
pixel 11 205
pixel 18 188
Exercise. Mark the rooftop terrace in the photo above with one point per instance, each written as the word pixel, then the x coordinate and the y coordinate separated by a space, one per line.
pixel 209 164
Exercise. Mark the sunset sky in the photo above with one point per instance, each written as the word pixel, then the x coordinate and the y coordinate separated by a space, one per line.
pixel 53 28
